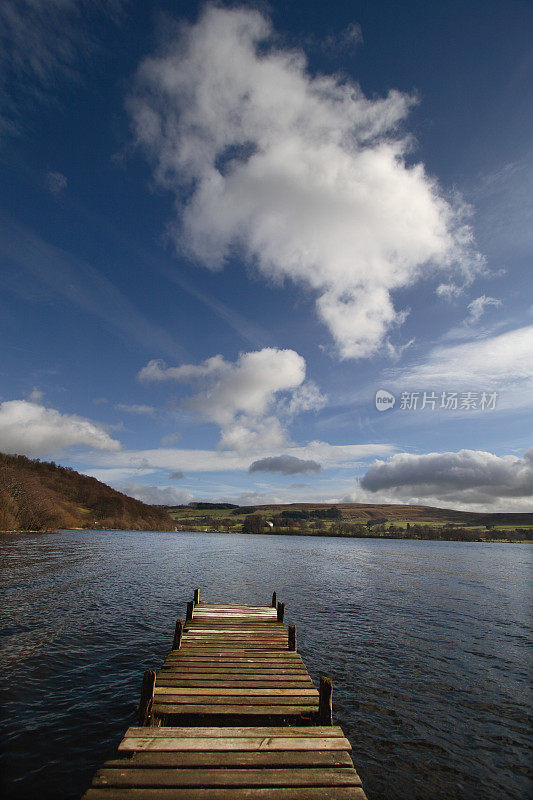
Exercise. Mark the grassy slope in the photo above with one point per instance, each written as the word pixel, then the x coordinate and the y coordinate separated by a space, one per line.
pixel 38 495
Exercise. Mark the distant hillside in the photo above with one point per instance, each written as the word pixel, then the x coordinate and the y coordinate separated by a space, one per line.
pixel 40 495
pixel 326 518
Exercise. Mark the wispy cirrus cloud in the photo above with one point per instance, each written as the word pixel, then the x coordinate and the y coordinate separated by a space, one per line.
pixel 499 363
pixel 31 261
pixel 479 305
pixel 42 43
pixel 306 176
pixel 56 182
pixel 219 460
pixel 136 408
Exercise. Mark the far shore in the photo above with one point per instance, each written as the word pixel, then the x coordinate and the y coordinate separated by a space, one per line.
pixel 483 539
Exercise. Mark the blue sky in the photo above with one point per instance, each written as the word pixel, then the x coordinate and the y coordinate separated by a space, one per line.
pixel 225 227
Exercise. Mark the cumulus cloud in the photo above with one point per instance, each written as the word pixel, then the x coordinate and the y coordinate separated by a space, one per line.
pixel 287 465
pixel 136 409
pixel 56 182
pixel 467 476
pixel 306 176
pixel 246 397
pixel 33 430
pixel 157 495
pixel 477 307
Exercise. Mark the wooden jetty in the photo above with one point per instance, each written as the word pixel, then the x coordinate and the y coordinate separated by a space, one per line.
pixel 232 715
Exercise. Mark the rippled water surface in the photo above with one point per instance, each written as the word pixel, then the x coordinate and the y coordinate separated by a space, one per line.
pixel 426 643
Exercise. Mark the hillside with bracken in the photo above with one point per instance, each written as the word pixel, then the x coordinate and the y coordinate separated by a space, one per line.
pixel 39 495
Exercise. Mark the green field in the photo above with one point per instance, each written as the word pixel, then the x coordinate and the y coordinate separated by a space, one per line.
pixel 356 519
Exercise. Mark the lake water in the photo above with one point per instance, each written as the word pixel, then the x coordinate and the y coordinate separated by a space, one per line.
pixel 426 643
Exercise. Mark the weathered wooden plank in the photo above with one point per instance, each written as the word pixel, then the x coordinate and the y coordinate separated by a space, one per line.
pixel 265 617
pixel 198 683
pixel 252 793
pixel 241 670
pixel 284 654
pixel 208 629
pixel 294 758
pixel 242 643
pixel 233 677
pixel 237 644
pixel 234 664
pixel 259 711
pixel 231 700
pixel 285 659
pixel 242 692
pixel 179 731
pixel 187 743
pixel 238 778
pixel 250 675
pixel 201 633
pixel 231 674
pixel 228 650
pixel 227 608
pixel 202 625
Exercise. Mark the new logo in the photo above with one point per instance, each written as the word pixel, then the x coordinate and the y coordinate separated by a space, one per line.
pixel 384 400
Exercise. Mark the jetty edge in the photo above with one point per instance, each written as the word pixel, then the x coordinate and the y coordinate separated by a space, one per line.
pixel 232 715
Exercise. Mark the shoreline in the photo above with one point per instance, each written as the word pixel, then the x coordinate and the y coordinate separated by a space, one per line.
pixel 270 533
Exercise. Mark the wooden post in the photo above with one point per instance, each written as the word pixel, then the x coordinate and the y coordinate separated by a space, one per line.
pixel 196 596
pixel 325 707
pixel 281 612
pixel 190 610
pixel 177 635
pixel 274 599
pixel 147 697
pixel 292 637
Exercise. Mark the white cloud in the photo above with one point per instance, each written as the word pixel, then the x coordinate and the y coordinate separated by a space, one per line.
pixel 304 174
pixel 57 183
pixel 136 409
pixel 306 398
pixel 157 370
pixel 31 429
pixel 188 460
pixel 157 495
pixel 242 396
pixel 115 476
pixel 287 465
pixel 246 386
pixel 36 395
pixel 170 439
pixel 477 307
pixel 471 477
pixel 499 363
